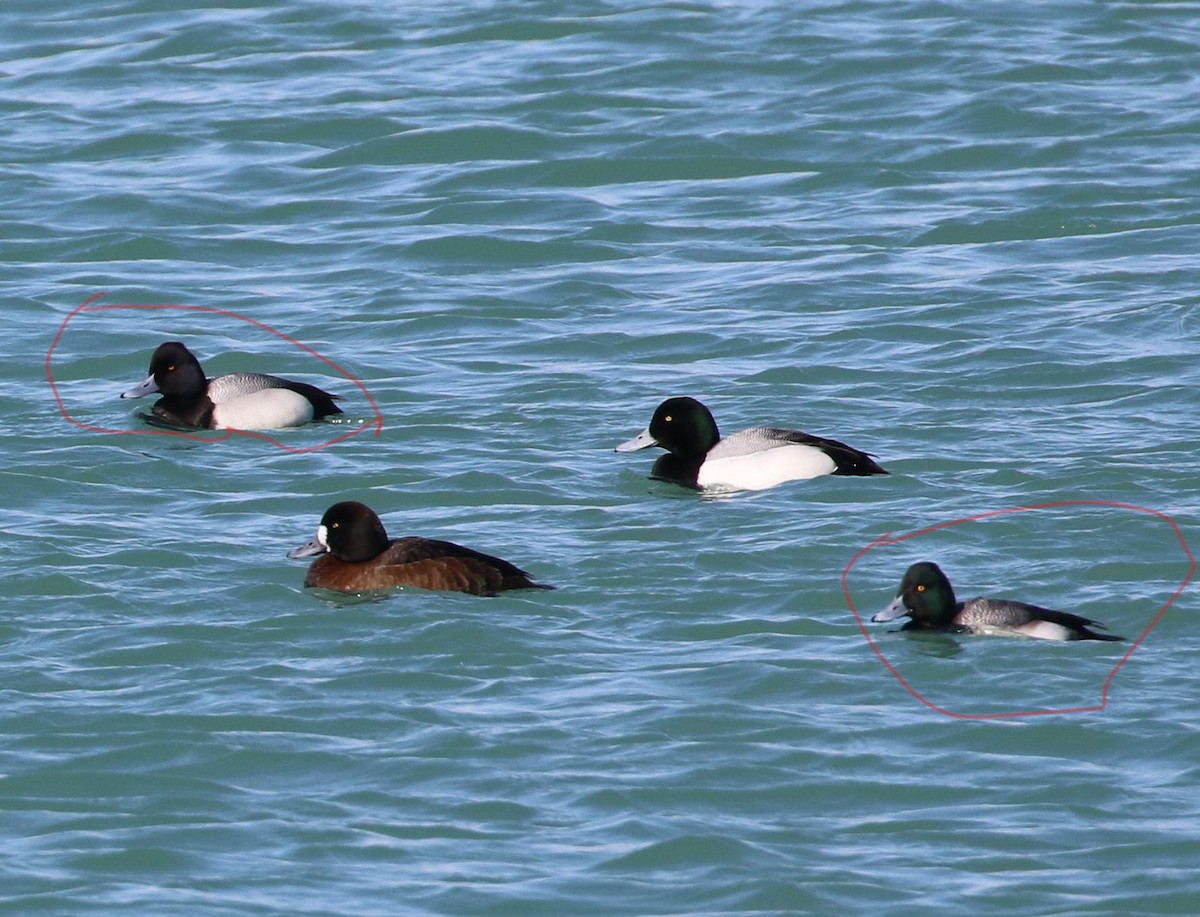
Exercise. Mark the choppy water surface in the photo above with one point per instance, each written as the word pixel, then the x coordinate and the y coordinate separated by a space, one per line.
pixel 962 238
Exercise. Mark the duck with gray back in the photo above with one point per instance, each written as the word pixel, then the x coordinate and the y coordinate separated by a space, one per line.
pixel 753 459
pixel 927 598
pixel 238 401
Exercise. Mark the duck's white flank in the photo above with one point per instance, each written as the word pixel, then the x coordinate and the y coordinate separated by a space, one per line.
pixel 765 468
pixel 1044 630
pixel 266 409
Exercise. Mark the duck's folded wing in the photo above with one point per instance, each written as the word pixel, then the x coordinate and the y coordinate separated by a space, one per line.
pixel 1079 626
pixel 453 566
pixel 1032 620
pixel 847 460
pixel 235 385
pixel 757 439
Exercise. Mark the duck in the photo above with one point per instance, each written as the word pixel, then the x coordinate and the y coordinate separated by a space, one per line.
pixel 927 597
pixel 753 459
pixel 357 556
pixel 239 401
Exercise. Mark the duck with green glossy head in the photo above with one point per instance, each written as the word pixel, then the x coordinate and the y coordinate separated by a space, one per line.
pixel 753 459
pixel 927 597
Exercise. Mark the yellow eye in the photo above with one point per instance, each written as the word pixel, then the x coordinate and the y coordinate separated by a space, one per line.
pixel 668 418
pixel 171 368
pixel 920 589
pixel 337 524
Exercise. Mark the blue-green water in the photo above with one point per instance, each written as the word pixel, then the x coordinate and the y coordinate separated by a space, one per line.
pixel 959 236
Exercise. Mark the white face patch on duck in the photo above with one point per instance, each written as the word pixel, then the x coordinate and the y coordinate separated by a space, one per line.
pixel 318 545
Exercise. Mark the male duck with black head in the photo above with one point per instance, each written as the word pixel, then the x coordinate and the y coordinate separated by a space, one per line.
pixel 753 459
pixel 239 401
pixel 357 556
pixel 927 597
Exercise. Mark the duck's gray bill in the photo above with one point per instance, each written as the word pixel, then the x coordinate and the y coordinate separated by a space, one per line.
pixel 642 441
pixel 306 550
pixel 144 388
pixel 892 612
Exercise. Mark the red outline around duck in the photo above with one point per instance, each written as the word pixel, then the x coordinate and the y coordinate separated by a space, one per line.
pixel 887 539
pixel 87 306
